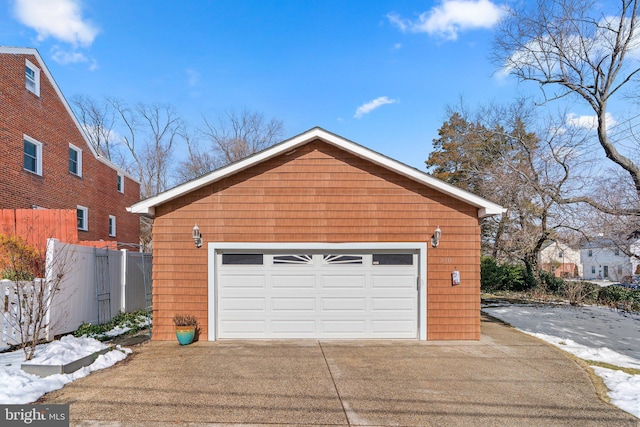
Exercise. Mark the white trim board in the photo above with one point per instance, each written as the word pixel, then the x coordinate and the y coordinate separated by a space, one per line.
pixel 215 247
pixel 485 207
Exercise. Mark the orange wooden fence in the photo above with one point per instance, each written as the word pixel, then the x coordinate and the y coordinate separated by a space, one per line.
pixel 35 226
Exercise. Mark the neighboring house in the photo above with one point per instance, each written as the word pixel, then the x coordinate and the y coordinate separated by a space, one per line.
pixel 560 259
pixel 47 161
pixel 603 259
pixel 318 237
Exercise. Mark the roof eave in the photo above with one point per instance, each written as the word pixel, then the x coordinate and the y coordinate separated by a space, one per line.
pixel 485 207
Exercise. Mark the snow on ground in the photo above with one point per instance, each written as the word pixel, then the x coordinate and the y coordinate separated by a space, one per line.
pixel 590 333
pixel 18 387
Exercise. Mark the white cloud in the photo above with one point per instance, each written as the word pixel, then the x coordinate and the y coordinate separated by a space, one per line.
pixel 451 17
pixel 60 19
pixel 193 77
pixel 65 57
pixel 550 52
pixel 589 122
pixel 368 107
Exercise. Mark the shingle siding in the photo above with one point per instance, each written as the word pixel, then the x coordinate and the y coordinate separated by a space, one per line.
pixel 319 193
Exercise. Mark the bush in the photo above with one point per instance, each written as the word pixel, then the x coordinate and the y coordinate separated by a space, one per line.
pixel 553 284
pixel 579 293
pixel 503 277
pixel 620 297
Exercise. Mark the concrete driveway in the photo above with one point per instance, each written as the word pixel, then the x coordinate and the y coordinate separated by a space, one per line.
pixel 507 378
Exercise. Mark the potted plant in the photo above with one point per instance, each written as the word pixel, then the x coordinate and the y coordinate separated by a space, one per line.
pixel 185 328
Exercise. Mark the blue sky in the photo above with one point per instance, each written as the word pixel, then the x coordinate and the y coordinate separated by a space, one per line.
pixel 379 73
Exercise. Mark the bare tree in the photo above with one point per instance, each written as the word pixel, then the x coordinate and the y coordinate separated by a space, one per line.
pixel 36 276
pixel 574 48
pixel 234 136
pixel 97 120
pixel 199 161
pixel 151 133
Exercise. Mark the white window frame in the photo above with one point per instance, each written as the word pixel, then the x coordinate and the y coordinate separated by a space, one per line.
pixel 36 78
pixel 85 218
pixel 38 145
pixel 112 226
pixel 79 153
pixel 120 183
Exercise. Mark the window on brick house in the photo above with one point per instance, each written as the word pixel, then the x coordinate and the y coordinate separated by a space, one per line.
pixel 112 226
pixel 75 160
pixel 83 218
pixel 32 77
pixel 32 155
pixel 120 183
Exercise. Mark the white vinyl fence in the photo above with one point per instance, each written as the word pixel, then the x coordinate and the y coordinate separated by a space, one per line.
pixel 97 285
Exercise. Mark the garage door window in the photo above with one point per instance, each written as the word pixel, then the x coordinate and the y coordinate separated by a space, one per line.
pixel 342 259
pixel 303 259
pixel 242 259
pixel 392 259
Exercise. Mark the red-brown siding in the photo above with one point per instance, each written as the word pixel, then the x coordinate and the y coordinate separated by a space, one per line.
pixel 319 193
pixel 46 119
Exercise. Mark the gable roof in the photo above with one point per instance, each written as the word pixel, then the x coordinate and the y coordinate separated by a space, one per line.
pixel 486 208
pixel 31 51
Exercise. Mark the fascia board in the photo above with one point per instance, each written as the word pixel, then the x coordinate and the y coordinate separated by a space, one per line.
pixel 486 208
pixel 45 70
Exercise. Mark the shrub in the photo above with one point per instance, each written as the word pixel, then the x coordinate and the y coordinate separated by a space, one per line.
pixel 135 320
pixel 185 320
pixel 490 274
pixel 553 284
pixel 503 277
pixel 579 293
pixel 620 297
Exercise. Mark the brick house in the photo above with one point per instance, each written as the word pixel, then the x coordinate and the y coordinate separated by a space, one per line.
pixel 47 161
pixel 318 237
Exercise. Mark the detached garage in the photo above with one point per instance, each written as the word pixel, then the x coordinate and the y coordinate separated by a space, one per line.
pixel 318 238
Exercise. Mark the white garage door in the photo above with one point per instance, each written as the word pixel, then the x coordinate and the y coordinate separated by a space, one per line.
pixel 317 295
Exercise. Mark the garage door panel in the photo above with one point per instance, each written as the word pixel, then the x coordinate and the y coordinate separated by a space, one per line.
pixel 296 328
pixel 399 328
pixel 344 282
pixel 393 304
pixel 243 304
pixel 240 281
pixel 241 328
pixel 393 282
pixel 293 281
pixel 290 304
pixel 344 327
pixel 344 304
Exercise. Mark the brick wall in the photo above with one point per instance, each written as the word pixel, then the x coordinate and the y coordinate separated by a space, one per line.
pixel 46 119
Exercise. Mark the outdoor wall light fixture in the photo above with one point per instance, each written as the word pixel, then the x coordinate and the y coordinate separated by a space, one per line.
pixel 435 239
pixel 197 237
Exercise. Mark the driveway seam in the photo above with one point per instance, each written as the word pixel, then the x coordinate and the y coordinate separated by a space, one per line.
pixel 335 386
